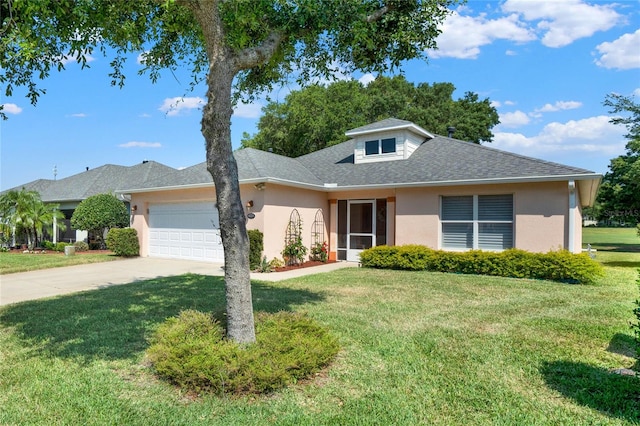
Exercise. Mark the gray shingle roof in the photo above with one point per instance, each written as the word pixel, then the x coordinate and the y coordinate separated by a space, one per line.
pixel 107 178
pixel 437 160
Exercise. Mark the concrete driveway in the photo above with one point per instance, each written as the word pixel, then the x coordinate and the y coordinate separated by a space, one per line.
pixel 57 281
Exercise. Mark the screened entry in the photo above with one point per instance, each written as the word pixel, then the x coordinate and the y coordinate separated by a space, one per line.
pixel 362 224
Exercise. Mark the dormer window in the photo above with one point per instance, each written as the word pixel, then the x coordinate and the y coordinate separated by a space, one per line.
pixel 380 146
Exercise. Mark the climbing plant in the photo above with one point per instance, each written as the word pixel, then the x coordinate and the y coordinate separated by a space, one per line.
pixel 294 250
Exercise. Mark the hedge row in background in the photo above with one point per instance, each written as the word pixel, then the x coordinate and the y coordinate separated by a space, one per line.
pixel 560 266
pixel 123 242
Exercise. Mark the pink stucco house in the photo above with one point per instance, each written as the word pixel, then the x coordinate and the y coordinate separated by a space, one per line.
pixel 392 183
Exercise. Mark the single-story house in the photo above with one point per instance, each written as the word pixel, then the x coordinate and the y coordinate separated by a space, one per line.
pixel 391 183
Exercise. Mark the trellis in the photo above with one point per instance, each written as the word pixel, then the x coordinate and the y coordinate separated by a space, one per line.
pixel 293 239
pixel 318 229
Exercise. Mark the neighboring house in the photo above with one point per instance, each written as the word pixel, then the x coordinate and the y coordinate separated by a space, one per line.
pixel 70 191
pixel 392 183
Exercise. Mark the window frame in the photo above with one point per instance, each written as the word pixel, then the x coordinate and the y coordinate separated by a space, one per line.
pixel 380 146
pixel 476 223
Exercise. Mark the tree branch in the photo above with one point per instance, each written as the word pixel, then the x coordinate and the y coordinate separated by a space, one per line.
pixel 378 14
pixel 254 56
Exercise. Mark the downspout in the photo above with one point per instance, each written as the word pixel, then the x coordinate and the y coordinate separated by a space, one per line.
pixel 572 216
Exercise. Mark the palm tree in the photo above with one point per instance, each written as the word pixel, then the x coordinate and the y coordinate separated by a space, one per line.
pixel 24 212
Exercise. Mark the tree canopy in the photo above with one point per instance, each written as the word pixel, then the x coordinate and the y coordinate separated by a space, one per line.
pixel 240 47
pixel 318 116
pixel 99 213
pixel 619 196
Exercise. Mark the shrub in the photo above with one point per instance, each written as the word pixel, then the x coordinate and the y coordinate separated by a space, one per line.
pixel 60 246
pixel 319 252
pixel 560 266
pixel 99 213
pixel 191 352
pixel 256 245
pixel 81 246
pixel 48 245
pixel 123 242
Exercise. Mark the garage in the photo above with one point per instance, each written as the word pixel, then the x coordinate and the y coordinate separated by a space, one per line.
pixel 189 231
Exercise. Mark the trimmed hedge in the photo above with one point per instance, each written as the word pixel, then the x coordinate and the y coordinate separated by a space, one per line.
pixel 190 350
pixel 123 242
pixel 256 245
pixel 561 266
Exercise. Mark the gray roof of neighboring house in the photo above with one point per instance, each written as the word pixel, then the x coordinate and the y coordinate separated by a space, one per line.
pixel 107 178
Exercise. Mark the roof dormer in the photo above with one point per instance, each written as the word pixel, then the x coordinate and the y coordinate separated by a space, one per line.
pixel 387 140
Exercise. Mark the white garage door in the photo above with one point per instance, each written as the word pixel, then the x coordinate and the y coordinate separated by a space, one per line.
pixel 185 231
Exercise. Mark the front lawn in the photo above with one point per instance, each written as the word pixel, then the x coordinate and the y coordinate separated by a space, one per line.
pixel 417 348
pixel 16 261
pixel 611 239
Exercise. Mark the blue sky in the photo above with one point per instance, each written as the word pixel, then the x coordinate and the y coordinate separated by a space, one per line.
pixel 546 65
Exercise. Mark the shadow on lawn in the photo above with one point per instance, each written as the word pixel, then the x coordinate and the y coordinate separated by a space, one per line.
pixel 115 322
pixel 612 394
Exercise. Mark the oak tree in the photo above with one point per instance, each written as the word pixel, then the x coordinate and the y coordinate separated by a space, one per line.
pixel 318 116
pixel 240 47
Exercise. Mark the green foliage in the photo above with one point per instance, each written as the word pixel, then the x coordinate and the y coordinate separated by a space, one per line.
pixel 636 326
pixel 60 246
pixel 25 211
pixel 190 351
pixel 294 250
pixel 638 228
pixel 99 213
pixel 619 194
pixel 81 246
pixel 256 245
pixel 561 266
pixel 123 242
pixel 320 251
pixel 318 116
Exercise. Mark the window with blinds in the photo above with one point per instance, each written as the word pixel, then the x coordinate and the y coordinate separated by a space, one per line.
pixel 482 222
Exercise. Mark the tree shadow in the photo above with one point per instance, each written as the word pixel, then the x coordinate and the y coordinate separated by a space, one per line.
pixel 612 394
pixel 622 344
pixel 115 322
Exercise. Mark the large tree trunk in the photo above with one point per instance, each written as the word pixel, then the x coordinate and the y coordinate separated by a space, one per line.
pixel 216 128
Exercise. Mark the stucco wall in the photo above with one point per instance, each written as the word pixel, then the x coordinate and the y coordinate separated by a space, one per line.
pixel 541 214
pixel 279 204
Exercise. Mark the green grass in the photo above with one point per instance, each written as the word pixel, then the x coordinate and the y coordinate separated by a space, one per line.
pixel 12 262
pixel 611 239
pixel 418 348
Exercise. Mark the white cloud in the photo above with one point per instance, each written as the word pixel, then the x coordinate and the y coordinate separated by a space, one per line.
pixel 11 109
pixel 564 22
pixel 593 135
pixel 140 58
pixel 243 110
pixel 175 106
pixel 514 119
pixel 462 36
pixel 67 59
pixel 78 115
pixel 366 79
pixel 559 106
pixel 637 92
pixel 136 144
pixel 145 115
pixel 623 53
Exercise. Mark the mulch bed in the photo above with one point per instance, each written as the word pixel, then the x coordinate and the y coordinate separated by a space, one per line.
pixel 307 264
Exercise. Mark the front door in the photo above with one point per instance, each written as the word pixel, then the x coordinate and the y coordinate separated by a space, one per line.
pixel 361 228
